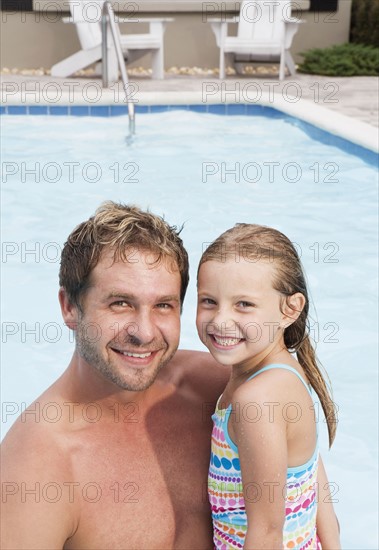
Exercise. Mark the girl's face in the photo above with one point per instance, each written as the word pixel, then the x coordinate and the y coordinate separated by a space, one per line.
pixel 238 314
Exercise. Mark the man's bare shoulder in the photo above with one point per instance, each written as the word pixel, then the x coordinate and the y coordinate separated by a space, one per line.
pixel 199 370
pixel 39 440
pixel 35 473
pixel 34 438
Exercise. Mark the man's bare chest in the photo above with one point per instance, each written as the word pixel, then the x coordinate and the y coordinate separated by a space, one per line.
pixel 143 486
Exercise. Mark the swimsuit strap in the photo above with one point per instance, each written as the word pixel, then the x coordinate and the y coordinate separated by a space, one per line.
pixel 291 369
pixel 284 367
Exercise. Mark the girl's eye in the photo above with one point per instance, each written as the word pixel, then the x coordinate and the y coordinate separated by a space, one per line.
pixel 207 301
pixel 244 304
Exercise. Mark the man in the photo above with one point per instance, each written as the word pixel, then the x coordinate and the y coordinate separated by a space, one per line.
pixel 118 457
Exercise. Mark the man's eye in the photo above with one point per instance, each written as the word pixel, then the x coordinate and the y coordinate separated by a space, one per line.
pixel 164 306
pixel 120 303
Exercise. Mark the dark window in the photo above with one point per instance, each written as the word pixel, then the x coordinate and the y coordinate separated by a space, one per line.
pixel 16 5
pixel 324 5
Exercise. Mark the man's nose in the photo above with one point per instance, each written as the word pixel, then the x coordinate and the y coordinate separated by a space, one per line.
pixel 144 327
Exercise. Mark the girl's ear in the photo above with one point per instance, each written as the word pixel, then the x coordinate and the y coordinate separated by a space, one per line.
pixel 292 308
pixel 69 311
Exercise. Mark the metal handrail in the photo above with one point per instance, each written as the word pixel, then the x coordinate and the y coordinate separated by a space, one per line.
pixel 107 16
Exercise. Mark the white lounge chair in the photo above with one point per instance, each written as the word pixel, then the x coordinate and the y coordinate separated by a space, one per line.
pixel 265 33
pixel 86 15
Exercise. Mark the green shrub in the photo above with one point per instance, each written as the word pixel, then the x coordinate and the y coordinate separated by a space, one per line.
pixel 342 60
pixel 364 26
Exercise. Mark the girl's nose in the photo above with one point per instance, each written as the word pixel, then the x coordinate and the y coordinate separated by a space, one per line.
pixel 222 314
pixel 222 323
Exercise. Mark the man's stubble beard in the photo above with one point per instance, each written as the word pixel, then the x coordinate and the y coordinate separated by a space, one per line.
pixel 141 380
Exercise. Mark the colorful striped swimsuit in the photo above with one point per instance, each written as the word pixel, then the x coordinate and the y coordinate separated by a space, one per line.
pixel 227 498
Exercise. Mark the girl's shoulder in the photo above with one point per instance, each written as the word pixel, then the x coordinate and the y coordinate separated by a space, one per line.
pixel 274 381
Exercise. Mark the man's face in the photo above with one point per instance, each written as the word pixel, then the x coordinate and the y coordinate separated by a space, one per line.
pixel 129 326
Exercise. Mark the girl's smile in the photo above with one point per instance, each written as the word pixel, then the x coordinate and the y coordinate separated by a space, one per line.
pixel 239 313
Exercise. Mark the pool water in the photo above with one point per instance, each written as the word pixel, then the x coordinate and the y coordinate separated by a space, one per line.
pixel 208 172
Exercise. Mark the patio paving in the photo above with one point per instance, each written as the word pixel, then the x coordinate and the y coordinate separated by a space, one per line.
pixel 356 97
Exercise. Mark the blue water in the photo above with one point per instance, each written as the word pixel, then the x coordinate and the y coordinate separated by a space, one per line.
pixel 207 172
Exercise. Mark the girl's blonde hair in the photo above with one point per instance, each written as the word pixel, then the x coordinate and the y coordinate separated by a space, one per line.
pixel 253 243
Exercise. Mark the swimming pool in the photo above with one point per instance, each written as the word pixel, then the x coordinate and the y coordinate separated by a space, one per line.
pixel 209 172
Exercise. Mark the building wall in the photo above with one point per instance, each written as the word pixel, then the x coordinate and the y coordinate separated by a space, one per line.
pixel 40 38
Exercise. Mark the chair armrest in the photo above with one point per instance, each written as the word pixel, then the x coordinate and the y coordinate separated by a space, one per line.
pixel 135 19
pixel 293 20
pixel 131 19
pixel 291 28
pixel 220 29
pixel 293 24
pixel 222 20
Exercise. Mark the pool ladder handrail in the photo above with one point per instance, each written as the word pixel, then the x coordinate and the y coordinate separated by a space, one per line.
pixel 107 16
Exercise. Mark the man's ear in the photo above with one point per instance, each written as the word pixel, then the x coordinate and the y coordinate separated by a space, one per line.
pixel 292 308
pixel 69 311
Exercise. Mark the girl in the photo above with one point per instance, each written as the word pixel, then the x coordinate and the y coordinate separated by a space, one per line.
pixel 267 485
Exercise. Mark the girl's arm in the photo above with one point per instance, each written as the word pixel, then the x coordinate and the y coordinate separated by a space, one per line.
pixel 260 434
pixel 327 524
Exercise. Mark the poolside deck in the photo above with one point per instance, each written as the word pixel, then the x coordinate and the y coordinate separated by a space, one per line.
pixel 356 97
